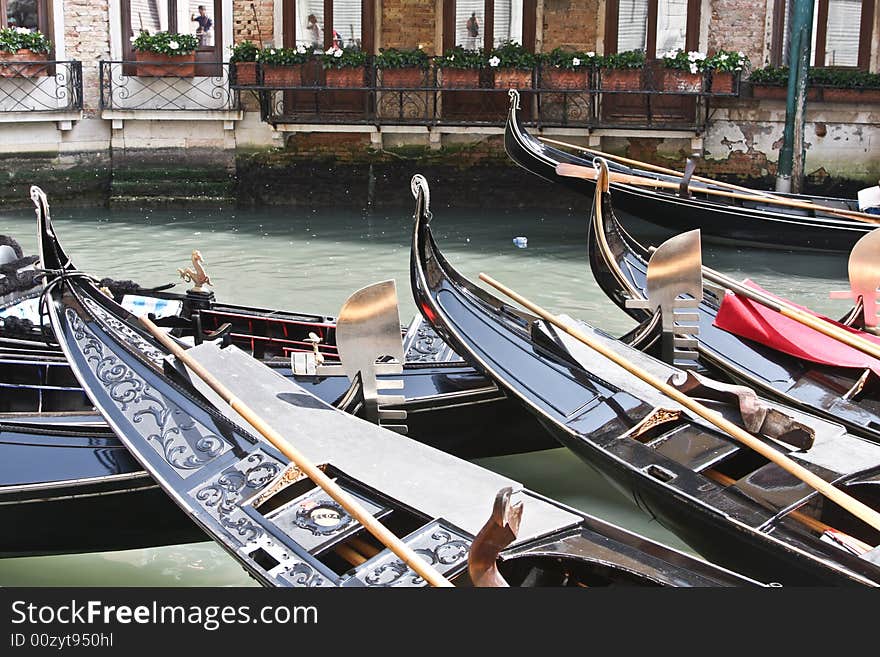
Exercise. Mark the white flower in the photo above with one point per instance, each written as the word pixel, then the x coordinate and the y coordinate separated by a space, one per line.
pixel 173 45
pixel 451 57
pixel 337 53
pixel 301 49
pixel 591 54
pixel 494 61
pixel 741 54
pixel 272 51
pixel 575 61
pixel 22 30
pixel 330 50
pixel 695 56
pixel 722 57
pixel 693 67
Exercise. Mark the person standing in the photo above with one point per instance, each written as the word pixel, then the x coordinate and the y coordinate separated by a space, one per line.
pixel 473 31
pixel 314 32
pixel 203 31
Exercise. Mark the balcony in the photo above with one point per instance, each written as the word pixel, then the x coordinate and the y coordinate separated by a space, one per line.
pixel 429 100
pixel 167 91
pixel 40 90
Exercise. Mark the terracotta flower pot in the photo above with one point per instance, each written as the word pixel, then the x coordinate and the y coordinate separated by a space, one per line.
pixel 621 79
pixel 513 78
pixel 349 76
pixel 468 78
pixel 178 66
pixel 562 78
pixel 833 94
pixel 403 77
pixel 722 82
pixel 778 92
pixel 282 76
pixel 14 69
pixel 674 80
pixel 245 73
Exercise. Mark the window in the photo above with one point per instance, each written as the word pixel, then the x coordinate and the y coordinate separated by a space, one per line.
pixel 488 23
pixel 841 33
pixel 32 14
pixel 325 23
pixel 202 19
pixel 654 26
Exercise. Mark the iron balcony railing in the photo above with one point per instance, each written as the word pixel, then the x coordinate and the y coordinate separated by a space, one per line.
pixel 307 97
pixel 167 87
pixel 40 86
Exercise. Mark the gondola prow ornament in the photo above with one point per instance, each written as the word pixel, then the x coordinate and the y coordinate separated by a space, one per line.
pixel 197 275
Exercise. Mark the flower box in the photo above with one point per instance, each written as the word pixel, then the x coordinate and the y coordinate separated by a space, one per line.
pixel 777 92
pixel 156 65
pixel 513 78
pixel 14 69
pixel 674 80
pixel 245 73
pixel 282 76
pixel 403 77
pixel 621 79
pixel 844 95
pixel 722 82
pixel 467 78
pixel 563 78
pixel 347 76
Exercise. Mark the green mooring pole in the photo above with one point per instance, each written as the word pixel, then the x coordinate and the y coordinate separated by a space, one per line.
pixel 790 174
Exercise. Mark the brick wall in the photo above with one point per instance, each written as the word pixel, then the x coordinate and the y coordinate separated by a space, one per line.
pixel 570 24
pixel 86 38
pixel 407 23
pixel 244 25
pixel 738 25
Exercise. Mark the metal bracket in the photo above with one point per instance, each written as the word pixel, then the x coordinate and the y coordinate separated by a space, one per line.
pixel 674 288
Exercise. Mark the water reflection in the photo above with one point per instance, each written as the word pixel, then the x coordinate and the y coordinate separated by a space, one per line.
pixel 312 260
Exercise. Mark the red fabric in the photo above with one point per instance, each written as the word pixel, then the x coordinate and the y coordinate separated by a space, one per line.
pixel 751 320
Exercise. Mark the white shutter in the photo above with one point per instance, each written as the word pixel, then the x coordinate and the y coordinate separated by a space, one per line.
pixel 632 25
pixel 347 21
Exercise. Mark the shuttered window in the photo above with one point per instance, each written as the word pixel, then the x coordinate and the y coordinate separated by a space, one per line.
pixel 841 35
pixel 654 26
pixel 347 22
pixel 632 25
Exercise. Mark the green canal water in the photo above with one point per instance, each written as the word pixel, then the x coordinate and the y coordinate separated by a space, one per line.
pixel 311 260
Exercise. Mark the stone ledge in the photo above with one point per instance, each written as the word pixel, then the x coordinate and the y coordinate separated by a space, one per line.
pixel 172 115
pixel 65 117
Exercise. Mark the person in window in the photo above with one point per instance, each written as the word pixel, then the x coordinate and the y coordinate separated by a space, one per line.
pixel 314 31
pixel 473 31
pixel 203 31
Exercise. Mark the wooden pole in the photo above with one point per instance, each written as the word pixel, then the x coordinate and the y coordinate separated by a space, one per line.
pixel 751 194
pixel 349 503
pixel 787 310
pixel 854 506
pixel 588 173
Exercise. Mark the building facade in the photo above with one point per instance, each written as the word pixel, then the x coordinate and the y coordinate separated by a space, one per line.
pixel 91 107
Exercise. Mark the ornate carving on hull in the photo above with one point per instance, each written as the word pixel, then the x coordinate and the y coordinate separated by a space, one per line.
pixel 126 333
pixel 222 495
pixel 440 546
pixel 427 347
pixel 185 444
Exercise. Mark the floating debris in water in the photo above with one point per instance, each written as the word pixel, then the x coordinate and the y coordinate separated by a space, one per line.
pixel 521 242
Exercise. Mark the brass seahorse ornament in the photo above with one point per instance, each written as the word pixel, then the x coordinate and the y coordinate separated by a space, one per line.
pixel 197 275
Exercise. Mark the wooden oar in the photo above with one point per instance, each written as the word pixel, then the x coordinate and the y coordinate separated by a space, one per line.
pixel 854 506
pixel 349 503
pixel 787 310
pixel 589 173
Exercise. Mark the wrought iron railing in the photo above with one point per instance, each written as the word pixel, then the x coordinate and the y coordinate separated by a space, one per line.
pixel 161 86
pixel 40 86
pixel 430 100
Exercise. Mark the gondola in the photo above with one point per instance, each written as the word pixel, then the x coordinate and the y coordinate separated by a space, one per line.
pixel 722 220
pixel 619 264
pixel 732 505
pixel 442 402
pixel 471 525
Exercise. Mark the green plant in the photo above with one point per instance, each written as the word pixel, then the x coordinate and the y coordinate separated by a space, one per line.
pixel 770 75
pixel 246 51
pixel 285 56
pixel 844 78
pixel 458 57
pixel 343 58
pixel 394 58
pixel 166 43
pixel 567 59
pixel 726 61
pixel 681 60
pixel 13 39
pixel 511 54
pixel 625 59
